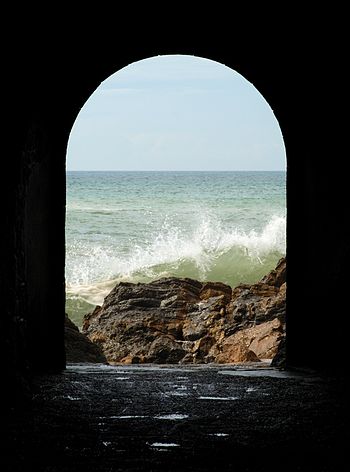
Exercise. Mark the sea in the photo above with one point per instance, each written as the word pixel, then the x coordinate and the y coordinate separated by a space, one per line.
pixel 141 226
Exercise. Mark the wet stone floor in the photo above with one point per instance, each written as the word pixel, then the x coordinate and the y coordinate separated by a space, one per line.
pixel 179 418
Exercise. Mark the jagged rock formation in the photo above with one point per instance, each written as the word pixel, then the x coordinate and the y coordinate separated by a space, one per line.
pixel 174 320
pixel 78 347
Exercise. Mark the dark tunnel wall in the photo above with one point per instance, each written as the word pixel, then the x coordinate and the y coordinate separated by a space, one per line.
pixel 49 86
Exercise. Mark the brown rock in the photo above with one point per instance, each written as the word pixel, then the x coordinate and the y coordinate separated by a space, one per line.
pixel 156 322
pixel 264 339
pixel 262 301
pixel 236 352
pixel 165 350
pixel 78 347
pixel 194 329
pixel 261 340
pixel 175 320
pixel 279 359
pixel 216 289
pixel 202 347
pixel 278 276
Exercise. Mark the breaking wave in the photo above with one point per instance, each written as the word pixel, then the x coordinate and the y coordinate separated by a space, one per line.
pixel 211 251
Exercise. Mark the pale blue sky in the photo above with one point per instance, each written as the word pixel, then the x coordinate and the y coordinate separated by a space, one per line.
pixel 176 113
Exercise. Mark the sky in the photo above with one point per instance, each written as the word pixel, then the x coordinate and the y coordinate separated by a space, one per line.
pixel 176 113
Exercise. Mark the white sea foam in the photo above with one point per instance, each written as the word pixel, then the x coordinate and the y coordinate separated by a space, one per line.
pixel 210 250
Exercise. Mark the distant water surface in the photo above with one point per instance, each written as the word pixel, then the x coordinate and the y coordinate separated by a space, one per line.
pixel 140 226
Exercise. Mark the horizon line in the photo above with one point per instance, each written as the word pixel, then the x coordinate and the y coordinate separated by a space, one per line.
pixel 178 170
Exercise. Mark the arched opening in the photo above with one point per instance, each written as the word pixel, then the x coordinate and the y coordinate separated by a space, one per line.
pixel 33 279
pixel 176 168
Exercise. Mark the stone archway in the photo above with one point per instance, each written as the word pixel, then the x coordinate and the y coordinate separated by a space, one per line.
pixel 35 195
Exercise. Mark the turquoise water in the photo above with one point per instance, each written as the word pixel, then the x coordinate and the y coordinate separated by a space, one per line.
pixel 139 226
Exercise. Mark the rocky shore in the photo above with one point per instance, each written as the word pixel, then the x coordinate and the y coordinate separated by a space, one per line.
pixel 181 320
pixel 78 347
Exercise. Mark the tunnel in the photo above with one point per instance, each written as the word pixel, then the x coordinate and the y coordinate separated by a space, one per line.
pixel 46 89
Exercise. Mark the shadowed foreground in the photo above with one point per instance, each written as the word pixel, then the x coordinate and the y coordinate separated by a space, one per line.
pixel 199 418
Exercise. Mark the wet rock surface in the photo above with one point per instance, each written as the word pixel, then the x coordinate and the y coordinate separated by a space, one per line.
pixel 181 320
pixel 190 418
